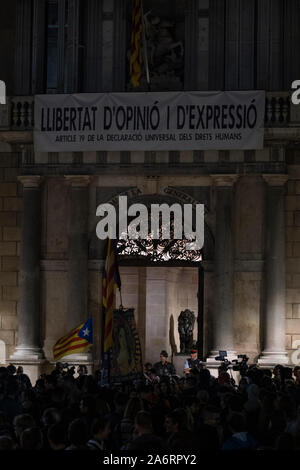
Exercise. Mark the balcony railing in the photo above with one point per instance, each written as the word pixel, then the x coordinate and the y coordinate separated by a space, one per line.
pixel 19 114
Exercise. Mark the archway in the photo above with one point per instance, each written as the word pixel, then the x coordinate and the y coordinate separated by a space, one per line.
pixel 160 278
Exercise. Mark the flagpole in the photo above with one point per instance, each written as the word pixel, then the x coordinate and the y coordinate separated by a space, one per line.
pixel 145 51
pixel 121 305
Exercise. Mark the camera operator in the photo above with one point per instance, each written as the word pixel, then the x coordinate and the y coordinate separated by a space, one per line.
pixel 241 366
pixel 192 363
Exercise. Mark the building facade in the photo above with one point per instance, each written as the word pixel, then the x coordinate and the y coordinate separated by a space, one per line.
pixel 246 289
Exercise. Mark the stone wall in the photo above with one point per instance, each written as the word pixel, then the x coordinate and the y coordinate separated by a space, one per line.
pixel 292 262
pixel 10 215
pixel 158 294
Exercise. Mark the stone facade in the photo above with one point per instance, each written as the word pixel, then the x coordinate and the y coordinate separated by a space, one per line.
pixel 10 221
pixel 292 224
pixel 248 230
pixel 56 279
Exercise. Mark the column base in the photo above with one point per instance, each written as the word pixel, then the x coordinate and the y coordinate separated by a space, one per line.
pixel 272 358
pixel 80 358
pixel 27 354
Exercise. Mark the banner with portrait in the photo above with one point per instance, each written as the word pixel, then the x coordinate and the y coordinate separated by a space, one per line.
pixel 126 357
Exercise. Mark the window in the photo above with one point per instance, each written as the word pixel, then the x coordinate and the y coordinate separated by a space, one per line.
pixel 56 40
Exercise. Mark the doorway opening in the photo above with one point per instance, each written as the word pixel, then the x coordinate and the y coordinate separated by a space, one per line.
pixel 160 279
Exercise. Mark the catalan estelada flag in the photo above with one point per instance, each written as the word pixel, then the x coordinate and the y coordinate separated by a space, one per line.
pixel 135 46
pixel 77 340
pixel 111 280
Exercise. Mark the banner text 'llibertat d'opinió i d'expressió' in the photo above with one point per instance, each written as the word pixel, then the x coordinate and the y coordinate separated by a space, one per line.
pixel 149 121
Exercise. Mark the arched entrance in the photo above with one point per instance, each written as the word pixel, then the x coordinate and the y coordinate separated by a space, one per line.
pixel 160 278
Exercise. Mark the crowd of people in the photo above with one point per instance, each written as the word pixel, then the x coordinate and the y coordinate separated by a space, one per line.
pixel 157 412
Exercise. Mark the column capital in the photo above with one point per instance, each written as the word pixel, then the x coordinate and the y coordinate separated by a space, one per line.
pixel 78 181
pixel 224 180
pixel 30 181
pixel 275 180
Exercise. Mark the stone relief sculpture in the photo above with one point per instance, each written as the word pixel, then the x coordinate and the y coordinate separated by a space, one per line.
pixel 186 322
pixel 165 53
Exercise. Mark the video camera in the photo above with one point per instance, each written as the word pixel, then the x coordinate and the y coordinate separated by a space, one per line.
pixel 241 366
pixel 223 358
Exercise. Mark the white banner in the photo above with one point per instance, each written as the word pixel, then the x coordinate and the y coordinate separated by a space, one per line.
pixel 149 121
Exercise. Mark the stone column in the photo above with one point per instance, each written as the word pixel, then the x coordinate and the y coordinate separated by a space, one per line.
pixel 29 334
pixel 274 315
pixel 78 251
pixel 222 325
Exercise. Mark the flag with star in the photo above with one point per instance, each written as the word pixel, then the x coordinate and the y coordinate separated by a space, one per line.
pixel 80 339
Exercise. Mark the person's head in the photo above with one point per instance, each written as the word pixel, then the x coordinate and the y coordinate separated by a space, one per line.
pixel 20 370
pixel 163 356
pixel 120 401
pixel 176 421
pixel 101 427
pixel 31 439
pixel 56 436
pixel 203 397
pixel 143 423
pixel 152 373
pixel 211 416
pixel 295 371
pixel 87 404
pixel 164 387
pixel 193 404
pixel 194 354
pixel 243 384
pixel 148 367
pixel 50 416
pixel 133 406
pixel 11 369
pixel 6 443
pixel 22 422
pixel 82 370
pixel 77 433
pixel 59 367
pixel 278 371
pixel 50 382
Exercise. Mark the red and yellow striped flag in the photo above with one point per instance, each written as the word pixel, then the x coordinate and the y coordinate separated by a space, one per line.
pixel 136 49
pixel 77 340
pixel 111 280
